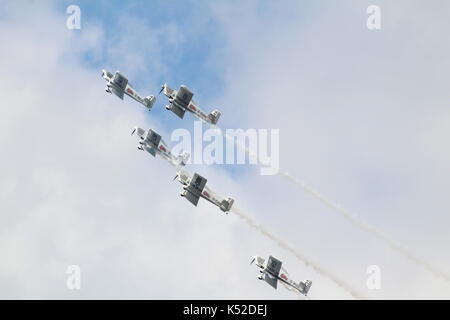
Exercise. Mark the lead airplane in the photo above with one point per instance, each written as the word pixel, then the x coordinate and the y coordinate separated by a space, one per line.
pixel 194 188
pixel 270 273
pixel 181 101
pixel 119 85
pixel 152 142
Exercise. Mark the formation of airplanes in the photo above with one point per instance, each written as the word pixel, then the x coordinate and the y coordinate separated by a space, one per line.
pixel 179 101
pixel 194 185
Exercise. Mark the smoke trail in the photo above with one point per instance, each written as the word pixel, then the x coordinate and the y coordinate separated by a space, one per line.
pixel 346 214
pixel 365 226
pixel 237 142
pixel 297 254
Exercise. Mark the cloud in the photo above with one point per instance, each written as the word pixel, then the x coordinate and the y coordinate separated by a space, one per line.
pixel 353 107
pixel 361 115
pixel 75 190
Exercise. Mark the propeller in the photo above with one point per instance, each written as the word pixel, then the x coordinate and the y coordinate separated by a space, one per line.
pixel 175 177
pixel 162 88
pixel 134 130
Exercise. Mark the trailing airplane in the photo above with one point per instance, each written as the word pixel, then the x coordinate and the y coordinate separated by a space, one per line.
pixel 270 273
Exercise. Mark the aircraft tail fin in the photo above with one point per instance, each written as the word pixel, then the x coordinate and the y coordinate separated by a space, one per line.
pixel 149 101
pixel 305 286
pixel 214 116
pixel 183 158
pixel 226 205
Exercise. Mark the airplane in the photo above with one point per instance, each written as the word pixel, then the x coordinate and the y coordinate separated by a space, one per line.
pixel 119 85
pixel 270 273
pixel 181 101
pixel 152 142
pixel 195 188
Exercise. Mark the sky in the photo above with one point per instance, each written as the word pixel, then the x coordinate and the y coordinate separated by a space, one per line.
pixel 363 117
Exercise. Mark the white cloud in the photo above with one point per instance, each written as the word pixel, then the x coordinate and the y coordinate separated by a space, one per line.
pixel 353 107
pixel 76 191
pixel 358 116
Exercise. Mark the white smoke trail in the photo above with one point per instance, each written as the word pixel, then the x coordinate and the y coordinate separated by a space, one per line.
pixel 297 254
pixel 237 142
pixel 365 226
pixel 346 214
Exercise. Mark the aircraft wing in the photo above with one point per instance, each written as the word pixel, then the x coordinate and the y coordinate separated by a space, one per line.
pixel 273 266
pixel 151 150
pixel 120 84
pixel 120 81
pixel 183 97
pixel 192 198
pixel 197 183
pixel 178 111
pixel 195 188
pixel 271 280
pixel 272 271
pixel 117 92
pixel 181 101
pixel 153 138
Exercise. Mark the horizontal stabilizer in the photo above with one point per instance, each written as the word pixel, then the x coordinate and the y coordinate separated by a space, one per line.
pixel 183 158
pixel 149 101
pixel 226 205
pixel 214 116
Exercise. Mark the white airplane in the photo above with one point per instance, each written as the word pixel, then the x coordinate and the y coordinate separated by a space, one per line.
pixel 195 188
pixel 119 85
pixel 152 142
pixel 181 101
pixel 270 273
